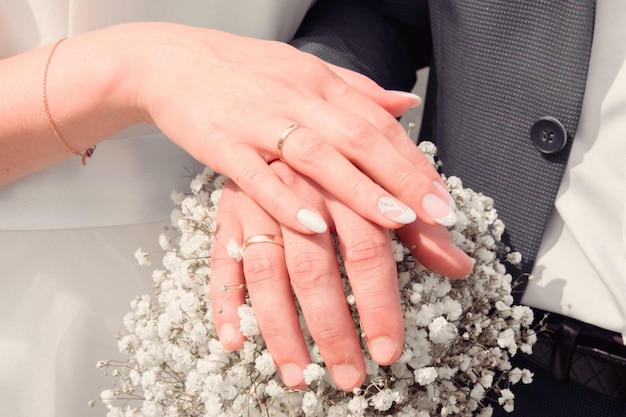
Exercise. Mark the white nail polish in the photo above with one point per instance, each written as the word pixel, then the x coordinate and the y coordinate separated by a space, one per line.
pixel 416 100
pixel 395 210
pixel 311 221
pixel 445 194
pixel 438 210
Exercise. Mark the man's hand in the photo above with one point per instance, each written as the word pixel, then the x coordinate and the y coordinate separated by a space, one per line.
pixel 307 265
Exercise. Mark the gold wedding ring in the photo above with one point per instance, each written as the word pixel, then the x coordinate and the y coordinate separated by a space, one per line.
pixel 283 138
pixel 263 238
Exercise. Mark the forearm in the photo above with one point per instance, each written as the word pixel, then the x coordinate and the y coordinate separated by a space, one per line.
pixel 86 102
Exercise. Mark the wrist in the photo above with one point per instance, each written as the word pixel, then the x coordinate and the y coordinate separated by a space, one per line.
pixel 91 95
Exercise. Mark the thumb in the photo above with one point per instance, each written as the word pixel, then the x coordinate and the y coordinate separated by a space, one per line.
pixel 434 248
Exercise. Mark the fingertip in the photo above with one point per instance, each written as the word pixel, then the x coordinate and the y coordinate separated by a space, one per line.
pixel 438 210
pixel 347 377
pixel 311 221
pixel 465 267
pixel 395 210
pixel 230 337
pixel 384 350
pixel 450 261
pixel 414 99
pixel 292 375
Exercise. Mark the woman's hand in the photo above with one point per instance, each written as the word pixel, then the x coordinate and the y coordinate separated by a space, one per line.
pixel 228 99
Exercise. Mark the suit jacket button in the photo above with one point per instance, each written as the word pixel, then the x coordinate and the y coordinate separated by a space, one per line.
pixel 548 135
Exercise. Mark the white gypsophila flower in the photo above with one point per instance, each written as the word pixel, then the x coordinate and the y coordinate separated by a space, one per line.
pixel 441 331
pixel 165 241
pixel 313 372
pixel 398 250
pixel 177 197
pixel 426 375
pixel 309 403
pixel 215 197
pixel 514 258
pixel 107 396
pixel 273 389
pixel 357 405
pixel 197 183
pixel 383 400
pixel 143 258
pixel 452 309
pixel 486 379
pixel 234 250
pixel 506 399
pixel 351 299
pixel 265 365
pixel 247 322
pixel 426 315
pixel 337 411
pixel 459 334
pixel 506 339
pixel 115 412
pixel 515 375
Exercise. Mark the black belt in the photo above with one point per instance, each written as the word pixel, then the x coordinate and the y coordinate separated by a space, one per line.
pixel 580 353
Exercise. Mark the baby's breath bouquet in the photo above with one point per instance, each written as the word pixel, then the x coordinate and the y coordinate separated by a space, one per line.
pixel 459 334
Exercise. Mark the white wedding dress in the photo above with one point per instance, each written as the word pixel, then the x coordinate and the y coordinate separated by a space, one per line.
pixel 68 233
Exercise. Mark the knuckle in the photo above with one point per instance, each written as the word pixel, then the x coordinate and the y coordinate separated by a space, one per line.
pixel 260 270
pixel 278 202
pixel 306 273
pixel 288 176
pixel 359 132
pixel 312 151
pixel 366 251
pixel 314 68
pixel 408 179
pixel 373 308
pixel 272 330
pixel 360 185
pixel 251 175
pixel 328 334
pixel 219 260
pixel 391 128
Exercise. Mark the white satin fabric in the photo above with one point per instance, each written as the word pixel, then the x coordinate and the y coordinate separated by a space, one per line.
pixel 68 233
pixel 64 293
pixel 581 265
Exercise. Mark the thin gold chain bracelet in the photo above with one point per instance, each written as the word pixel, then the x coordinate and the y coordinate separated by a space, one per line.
pixel 87 153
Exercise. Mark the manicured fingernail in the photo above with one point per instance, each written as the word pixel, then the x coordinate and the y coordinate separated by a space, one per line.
pixel 228 334
pixel 383 350
pixel 346 376
pixel 291 374
pixel 438 210
pixel 445 194
pixel 312 221
pixel 395 210
pixel 416 100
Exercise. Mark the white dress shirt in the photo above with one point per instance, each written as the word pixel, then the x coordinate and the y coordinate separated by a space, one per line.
pixel 581 265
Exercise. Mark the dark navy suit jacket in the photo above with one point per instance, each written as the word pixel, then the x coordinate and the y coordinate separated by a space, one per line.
pixel 496 69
